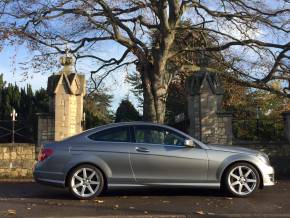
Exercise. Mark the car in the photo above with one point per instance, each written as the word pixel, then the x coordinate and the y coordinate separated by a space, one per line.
pixel 148 154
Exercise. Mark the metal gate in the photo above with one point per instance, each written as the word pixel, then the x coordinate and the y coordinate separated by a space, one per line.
pixel 20 131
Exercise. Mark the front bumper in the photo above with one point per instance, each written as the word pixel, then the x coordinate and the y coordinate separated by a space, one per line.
pixel 268 175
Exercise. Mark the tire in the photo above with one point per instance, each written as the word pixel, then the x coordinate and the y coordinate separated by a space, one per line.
pixel 86 182
pixel 241 179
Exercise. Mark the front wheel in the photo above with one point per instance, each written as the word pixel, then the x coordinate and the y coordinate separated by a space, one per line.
pixel 86 182
pixel 242 179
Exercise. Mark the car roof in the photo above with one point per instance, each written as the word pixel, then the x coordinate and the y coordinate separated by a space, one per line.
pixel 128 123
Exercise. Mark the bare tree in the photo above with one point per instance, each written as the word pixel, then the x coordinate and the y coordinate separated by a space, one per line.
pixel 252 36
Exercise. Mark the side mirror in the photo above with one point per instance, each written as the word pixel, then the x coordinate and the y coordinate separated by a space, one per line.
pixel 189 143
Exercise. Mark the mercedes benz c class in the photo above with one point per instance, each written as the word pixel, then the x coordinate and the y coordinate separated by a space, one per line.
pixel 147 154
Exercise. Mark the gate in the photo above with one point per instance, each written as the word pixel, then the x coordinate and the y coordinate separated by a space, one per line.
pixel 19 131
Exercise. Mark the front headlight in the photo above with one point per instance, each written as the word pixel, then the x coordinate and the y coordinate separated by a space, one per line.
pixel 263 157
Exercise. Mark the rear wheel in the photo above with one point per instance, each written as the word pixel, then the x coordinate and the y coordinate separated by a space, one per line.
pixel 242 179
pixel 86 182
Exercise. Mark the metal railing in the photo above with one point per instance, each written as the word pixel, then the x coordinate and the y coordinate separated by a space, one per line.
pixel 263 130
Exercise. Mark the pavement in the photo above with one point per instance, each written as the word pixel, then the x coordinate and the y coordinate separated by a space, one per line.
pixel 29 199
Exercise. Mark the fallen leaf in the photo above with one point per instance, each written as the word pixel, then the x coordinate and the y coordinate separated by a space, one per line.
pixel 131 208
pixel 11 212
pixel 115 206
pixel 199 212
pixel 165 202
pixel 99 201
pixel 28 208
pixel 146 212
pixel 124 197
pixel 229 198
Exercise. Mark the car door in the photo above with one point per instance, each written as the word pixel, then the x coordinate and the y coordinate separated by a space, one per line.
pixel 110 147
pixel 160 157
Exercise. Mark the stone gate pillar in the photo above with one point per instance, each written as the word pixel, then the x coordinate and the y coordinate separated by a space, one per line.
pixel 286 118
pixel 66 90
pixel 208 122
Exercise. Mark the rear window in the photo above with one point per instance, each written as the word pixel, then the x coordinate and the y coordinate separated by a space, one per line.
pixel 117 134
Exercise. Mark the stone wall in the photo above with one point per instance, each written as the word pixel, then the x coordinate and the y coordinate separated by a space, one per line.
pixel 16 161
pixel 194 116
pixel 45 129
pixel 224 132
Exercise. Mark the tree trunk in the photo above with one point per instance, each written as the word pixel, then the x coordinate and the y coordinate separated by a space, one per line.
pixel 155 81
pixel 153 108
pixel 154 94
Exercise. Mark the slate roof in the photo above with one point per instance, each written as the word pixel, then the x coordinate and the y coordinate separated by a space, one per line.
pixel 195 81
pixel 54 81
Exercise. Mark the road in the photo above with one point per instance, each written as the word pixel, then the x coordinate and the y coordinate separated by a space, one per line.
pixel 28 199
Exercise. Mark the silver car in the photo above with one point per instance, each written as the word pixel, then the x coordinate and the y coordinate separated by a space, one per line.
pixel 144 154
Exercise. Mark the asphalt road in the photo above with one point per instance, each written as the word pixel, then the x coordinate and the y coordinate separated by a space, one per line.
pixel 28 199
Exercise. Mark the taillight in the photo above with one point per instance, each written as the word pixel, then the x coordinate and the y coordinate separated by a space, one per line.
pixel 44 153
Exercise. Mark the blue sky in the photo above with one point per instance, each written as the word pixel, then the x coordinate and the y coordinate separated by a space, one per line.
pixel 11 58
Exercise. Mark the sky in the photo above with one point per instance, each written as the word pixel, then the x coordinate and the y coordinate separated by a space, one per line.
pixel 11 58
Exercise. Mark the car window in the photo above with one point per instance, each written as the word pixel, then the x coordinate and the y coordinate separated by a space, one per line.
pixel 157 135
pixel 117 134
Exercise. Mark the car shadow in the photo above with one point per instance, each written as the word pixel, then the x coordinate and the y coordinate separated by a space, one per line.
pixel 163 191
pixel 18 190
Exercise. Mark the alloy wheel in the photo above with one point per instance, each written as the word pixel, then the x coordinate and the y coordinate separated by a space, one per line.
pixel 85 182
pixel 242 180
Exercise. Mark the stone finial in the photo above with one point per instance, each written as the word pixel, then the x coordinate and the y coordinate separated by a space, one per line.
pixel 67 60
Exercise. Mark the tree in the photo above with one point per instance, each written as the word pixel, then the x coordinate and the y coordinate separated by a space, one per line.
pixel 26 103
pixel 248 103
pixel 252 36
pixel 126 112
pixel 41 101
pixel 97 108
pixel 2 83
pixel 1 88
pixel 133 78
pixel 177 97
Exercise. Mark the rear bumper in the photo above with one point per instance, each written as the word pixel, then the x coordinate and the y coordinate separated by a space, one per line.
pixel 50 182
pixel 48 178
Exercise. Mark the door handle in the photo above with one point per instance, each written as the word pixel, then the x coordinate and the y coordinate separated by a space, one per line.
pixel 140 149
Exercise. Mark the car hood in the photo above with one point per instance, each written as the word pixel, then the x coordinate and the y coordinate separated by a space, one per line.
pixel 232 148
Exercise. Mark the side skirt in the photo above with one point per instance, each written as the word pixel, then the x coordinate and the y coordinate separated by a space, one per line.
pixel 206 185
